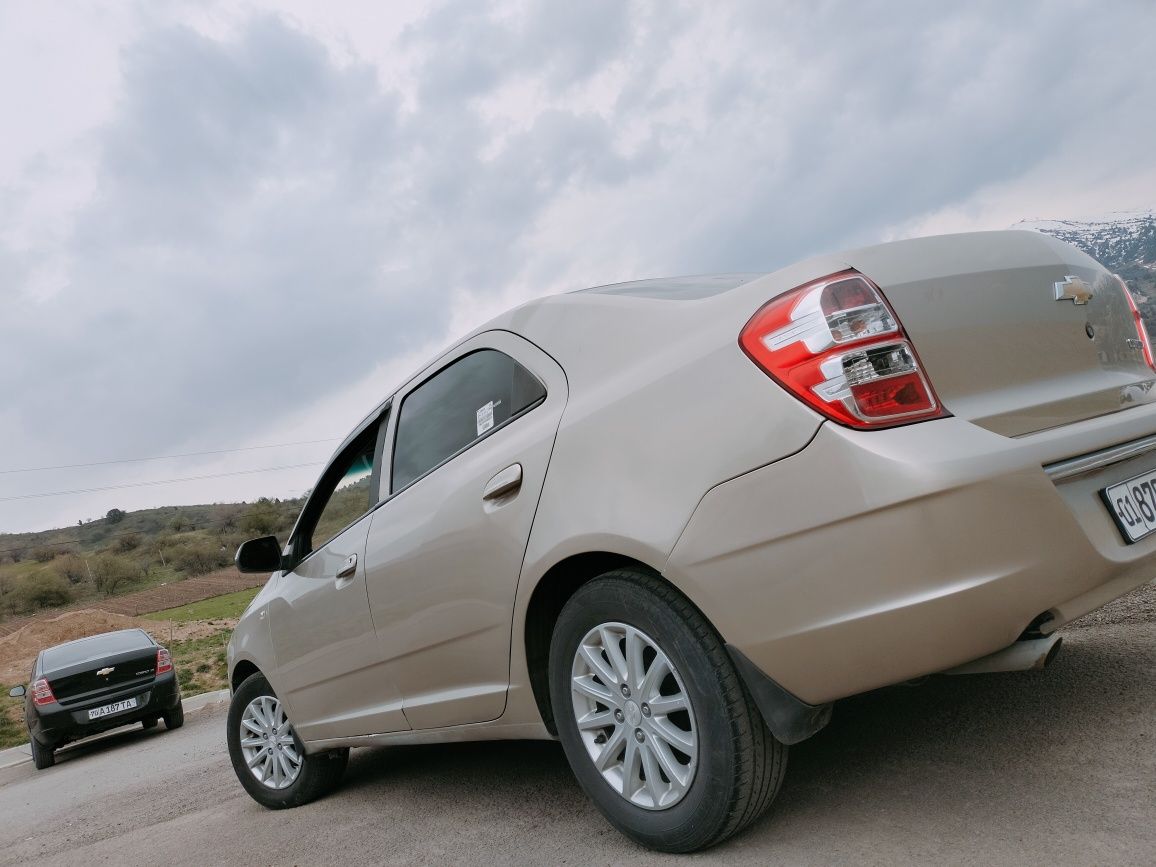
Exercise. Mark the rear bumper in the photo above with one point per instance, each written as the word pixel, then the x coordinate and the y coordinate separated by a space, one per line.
pixel 54 725
pixel 872 558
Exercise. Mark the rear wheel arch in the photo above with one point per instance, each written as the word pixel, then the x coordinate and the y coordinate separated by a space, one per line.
pixel 550 594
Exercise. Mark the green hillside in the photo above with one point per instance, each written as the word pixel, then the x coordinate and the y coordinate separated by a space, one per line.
pixel 126 551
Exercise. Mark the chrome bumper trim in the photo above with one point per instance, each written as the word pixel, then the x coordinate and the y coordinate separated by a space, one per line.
pixel 1096 460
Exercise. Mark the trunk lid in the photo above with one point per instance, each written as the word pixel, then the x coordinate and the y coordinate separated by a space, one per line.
pixel 91 668
pixel 1001 349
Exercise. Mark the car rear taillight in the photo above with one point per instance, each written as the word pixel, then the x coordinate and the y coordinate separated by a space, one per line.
pixel 42 692
pixel 1141 328
pixel 836 344
pixel 164 661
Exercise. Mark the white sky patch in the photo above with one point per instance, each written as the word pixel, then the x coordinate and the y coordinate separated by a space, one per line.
pixel 229 224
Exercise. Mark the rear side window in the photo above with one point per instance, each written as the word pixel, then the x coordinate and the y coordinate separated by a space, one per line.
pixel 455 407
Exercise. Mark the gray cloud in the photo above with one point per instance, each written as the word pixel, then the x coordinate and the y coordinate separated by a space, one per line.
pixel 270 218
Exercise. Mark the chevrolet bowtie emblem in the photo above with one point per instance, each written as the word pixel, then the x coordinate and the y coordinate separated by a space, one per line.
pixel 105 671
pixel 1073 289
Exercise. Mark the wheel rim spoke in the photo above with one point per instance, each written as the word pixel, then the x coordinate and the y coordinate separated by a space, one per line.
pixel 676 737
pixel 675 772
pixel 624 691
pixel 655 675
pixel 610 750
pixel 663 705
pixel 594 690
pixel 614 654
pixel 654 784
pixel 597 720
pixel 632 762
pixel 634 658
pixel 598 665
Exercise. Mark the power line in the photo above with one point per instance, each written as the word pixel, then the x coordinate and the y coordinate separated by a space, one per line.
pixel 157 482
pixel 166 457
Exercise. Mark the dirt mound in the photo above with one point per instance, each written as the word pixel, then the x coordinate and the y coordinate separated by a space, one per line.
pixel 18 650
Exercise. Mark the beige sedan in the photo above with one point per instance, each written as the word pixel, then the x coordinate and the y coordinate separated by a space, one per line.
pixel 670 522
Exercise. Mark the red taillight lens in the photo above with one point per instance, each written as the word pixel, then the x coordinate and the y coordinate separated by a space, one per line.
pixel 1141 328
pixel 836 344
pixel 42 692
pixel 164 661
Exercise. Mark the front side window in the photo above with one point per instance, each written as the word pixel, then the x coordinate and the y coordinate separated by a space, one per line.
pixel 343 494
pixel 460 404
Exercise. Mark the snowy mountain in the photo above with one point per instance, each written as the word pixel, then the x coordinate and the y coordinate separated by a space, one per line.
pixel 1124 241
pixel 1120 239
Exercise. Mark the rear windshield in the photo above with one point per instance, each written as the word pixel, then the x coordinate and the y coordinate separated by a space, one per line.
pixel 95 647
pixel 677 288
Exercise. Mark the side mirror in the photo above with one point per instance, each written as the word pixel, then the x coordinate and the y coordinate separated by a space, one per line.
pixel 259 555
pixel 16 692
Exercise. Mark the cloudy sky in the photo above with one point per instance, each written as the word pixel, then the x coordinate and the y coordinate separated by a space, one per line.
pixel 233 226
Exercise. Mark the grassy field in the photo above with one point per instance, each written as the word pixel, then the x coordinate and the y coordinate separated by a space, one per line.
pixel 227 607
pixel 200 664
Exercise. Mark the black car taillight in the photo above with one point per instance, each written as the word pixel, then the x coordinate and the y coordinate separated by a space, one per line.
pixel 42 692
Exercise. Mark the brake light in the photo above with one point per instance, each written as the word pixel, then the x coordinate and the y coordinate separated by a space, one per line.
pixel 42 692
pixel 836 344
pixel 1141 328
pixel 164 661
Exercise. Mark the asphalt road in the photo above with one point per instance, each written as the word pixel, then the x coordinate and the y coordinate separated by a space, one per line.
pixel 1036 768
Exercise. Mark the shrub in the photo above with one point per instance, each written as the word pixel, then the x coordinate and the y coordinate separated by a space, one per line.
pixel 44 554
pixel 41 590
pixel 262 518
pixel 196 556
pixel 71 568
pixel 114 516
pixel 111 571
pixel 127 542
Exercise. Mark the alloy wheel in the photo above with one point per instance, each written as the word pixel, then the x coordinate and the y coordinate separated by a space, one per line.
pixel 268 745
pixel 634 716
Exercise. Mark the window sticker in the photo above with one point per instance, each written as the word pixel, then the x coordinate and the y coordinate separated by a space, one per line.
pixel 486 416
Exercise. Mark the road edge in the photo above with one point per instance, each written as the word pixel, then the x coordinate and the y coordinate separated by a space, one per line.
pixel 22 753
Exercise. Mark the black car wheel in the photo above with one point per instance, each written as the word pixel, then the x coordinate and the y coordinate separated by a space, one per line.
pixel 42 756
pixel 654 720
pixel 269 758
pixel 174 718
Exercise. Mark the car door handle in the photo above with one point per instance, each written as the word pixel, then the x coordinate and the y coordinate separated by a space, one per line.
pixel 349 568
pixel 505 482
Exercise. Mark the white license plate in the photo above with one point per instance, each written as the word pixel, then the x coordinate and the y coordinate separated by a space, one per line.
pixel 115 707
pixel 1132 504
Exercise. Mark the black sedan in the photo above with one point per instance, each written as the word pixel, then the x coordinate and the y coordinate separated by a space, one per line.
pixel 93 684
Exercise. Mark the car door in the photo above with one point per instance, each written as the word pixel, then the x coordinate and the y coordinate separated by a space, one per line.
pixel 470 446
pixel 330 671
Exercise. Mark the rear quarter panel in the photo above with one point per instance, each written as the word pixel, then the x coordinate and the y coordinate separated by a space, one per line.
pixel 663 406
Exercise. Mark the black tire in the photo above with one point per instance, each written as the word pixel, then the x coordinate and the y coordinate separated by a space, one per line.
pixel 174 718
pixel 320 772
pixel 740 764
pixel 150 723
pixel 42 756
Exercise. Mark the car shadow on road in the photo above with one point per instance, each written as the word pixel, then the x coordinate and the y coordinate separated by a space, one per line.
pixel 955 749
pixel 128 737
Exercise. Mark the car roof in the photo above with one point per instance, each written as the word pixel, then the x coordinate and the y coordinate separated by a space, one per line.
pixel 94 647
pixel 692 288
